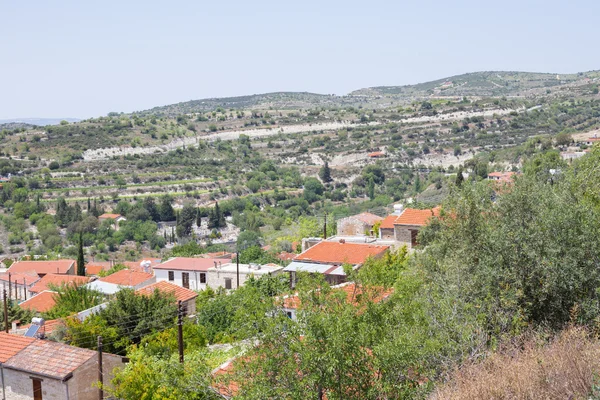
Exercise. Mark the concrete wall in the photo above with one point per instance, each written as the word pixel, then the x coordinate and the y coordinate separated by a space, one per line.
pixel 217 278
pixel 163 275
pixel 19 386
pixel 403 233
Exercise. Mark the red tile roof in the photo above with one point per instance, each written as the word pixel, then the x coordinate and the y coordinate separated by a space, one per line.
pixel 43 267
pixel 47 358
pixel 179 292
pixel 41 302
pixel 57 280
pixel 109 216
pixel 411 216
pixel 49 326
pixel 127 277
pixel 190 263
pixel 502 176
pixel 388 222
pixel 285 256
pixel 30 278
pixel 10 345
pixel 352 291
pixel 340 253
pixel 368 218
pixel 95 269
pixel 376 154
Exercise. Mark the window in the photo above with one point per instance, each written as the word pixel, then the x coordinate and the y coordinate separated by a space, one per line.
pixel 202 278
pixel 171 276
pixel 227 283
pixel 185 280
pixel 37 389
pixel 289 314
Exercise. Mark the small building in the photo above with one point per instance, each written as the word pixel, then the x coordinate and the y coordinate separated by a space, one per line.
pixel 355 225
pixel 40 303
pixel 187 272
pixel 405 227
pixel 115 218
pixel 42 268
pixel 226 275
pixel 17 285
pixel 505 176
pixel 186 296
pixel 328 258
pixel 40 369
pixel 48 282
pixel 129 278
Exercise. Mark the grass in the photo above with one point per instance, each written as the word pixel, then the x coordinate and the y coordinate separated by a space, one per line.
pixel 565 368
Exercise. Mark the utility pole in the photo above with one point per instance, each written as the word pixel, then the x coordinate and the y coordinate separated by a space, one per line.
pixel 25 288
pixel 237 263
pixel 180 331
pixel 100 374
pixel 325 227
pixel 9 286
pixel 5 311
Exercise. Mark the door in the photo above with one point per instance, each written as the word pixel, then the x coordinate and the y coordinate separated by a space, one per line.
pixel 37 389
pixel 227 283
pixel 185 280
pixel 413 238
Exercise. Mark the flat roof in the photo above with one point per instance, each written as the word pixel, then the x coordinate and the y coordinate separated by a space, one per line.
pixel 247 268
pixel 297 266
pixel 191 263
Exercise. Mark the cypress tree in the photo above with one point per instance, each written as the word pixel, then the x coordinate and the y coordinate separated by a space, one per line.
pixel 459 177
pixel 80 259
pixel 325 173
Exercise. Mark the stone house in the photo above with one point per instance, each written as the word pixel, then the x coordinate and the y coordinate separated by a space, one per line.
pixel 187 272
pixel 39 369
pixel 405 227
pixel 355 225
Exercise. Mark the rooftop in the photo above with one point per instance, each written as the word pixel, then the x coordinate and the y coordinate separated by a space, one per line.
pixel 353 294
pixel 388 222
pixel 191 263
pixel 368 218
pixel 415 217
pixel 51 359
pixel 110 216
pixel 42 267
pixel 30 277
pixel 327 269
pixel 180 293
pixel 41 302
pixel 340 253
pixel 127 277
pixel 256 269
pixel 104 287
pixel 57 280
pixel 10 345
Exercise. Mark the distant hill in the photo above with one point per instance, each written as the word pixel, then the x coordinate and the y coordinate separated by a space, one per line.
pixel 281 100
pixel 37 121
pixel 488 83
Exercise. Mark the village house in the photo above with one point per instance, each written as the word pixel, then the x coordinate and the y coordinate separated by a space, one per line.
pixel 186 296
pixel 356 225
pixel 17 285
pixel 129 278
pixel 505 176
pixel 187 272
pixel 226 275
pixel 329 257
pixel 115 218
pixel 40 369
pixel 41 268
pixel 48 282
pixel 404 228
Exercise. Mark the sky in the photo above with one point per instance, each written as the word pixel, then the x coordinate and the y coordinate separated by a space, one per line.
pixel 63 58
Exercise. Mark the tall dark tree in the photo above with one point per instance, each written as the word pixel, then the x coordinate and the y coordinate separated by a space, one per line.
pixel 459 177
pixel 166 209
pixel 186 220
pixel 150 206
pixel 325 173
pixel 89 205
pixel 216 218
pixel 80 259
pixel 371 189
pixel 62 211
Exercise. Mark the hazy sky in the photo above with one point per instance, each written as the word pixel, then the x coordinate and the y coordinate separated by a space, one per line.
pixel 87 58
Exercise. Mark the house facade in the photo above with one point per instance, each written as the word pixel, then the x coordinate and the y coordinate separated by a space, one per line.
pixel 404 228
pixel 34 369
pixel 187 272
pixel 226 275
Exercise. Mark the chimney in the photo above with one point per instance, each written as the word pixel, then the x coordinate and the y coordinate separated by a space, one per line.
pixel 14 326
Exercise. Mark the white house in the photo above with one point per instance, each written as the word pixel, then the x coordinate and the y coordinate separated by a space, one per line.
pixel 225 275
pixel 187 272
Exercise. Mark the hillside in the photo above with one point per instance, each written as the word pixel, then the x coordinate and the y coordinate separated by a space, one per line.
pixel 487 83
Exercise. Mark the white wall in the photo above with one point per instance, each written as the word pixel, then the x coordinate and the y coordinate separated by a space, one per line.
pixel 19 386
pixel 163 275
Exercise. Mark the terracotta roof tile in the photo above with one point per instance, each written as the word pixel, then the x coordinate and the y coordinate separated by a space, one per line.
pixel 30 278
pixel 48 358
pixel 411 216
pixel 109 216
pixel 10 345
pixel 41 302
pixel 95 269
pixel 57 280
pixel 43 267
pixel 127 277
pixel 376 295
pixel 179 292
pixel 388 222
pixel 340 253
pixel 191 263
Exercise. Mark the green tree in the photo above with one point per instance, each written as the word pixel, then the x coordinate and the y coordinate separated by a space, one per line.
pixel 73 298
pixel 371 189
pixel 216 218
pixel 166 209
pixel 325 173
pixel 186 220
pixel 80 257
